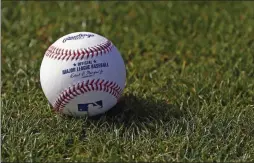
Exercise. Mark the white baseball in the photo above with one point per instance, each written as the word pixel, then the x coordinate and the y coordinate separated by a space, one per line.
pixel 82 73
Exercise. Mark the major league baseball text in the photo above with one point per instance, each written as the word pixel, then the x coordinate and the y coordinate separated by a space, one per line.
pixel 82 73
pixel 85 69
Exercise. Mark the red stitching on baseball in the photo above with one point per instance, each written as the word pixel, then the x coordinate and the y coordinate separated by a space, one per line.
pixel 78 89
pixel 66 54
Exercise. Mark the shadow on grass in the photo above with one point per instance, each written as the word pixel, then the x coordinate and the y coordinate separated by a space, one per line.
pixel 135 109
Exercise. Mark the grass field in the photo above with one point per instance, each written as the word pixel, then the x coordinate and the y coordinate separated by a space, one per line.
pixel 189 92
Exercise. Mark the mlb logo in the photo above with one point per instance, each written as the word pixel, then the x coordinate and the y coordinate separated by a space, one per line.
pixel 89 106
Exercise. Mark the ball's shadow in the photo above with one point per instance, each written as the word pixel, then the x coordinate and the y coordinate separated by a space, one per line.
pixel 131 109
pixel 134 109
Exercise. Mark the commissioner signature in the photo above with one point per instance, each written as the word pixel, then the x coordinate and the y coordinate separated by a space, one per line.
pixel 86 74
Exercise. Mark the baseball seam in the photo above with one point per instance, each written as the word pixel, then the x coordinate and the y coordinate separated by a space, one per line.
pixel 86 86
pixel 78 54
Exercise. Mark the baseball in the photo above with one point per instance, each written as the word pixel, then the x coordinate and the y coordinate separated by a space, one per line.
pixel 82 74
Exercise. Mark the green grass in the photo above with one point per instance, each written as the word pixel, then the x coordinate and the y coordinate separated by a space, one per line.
pixel 190 82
